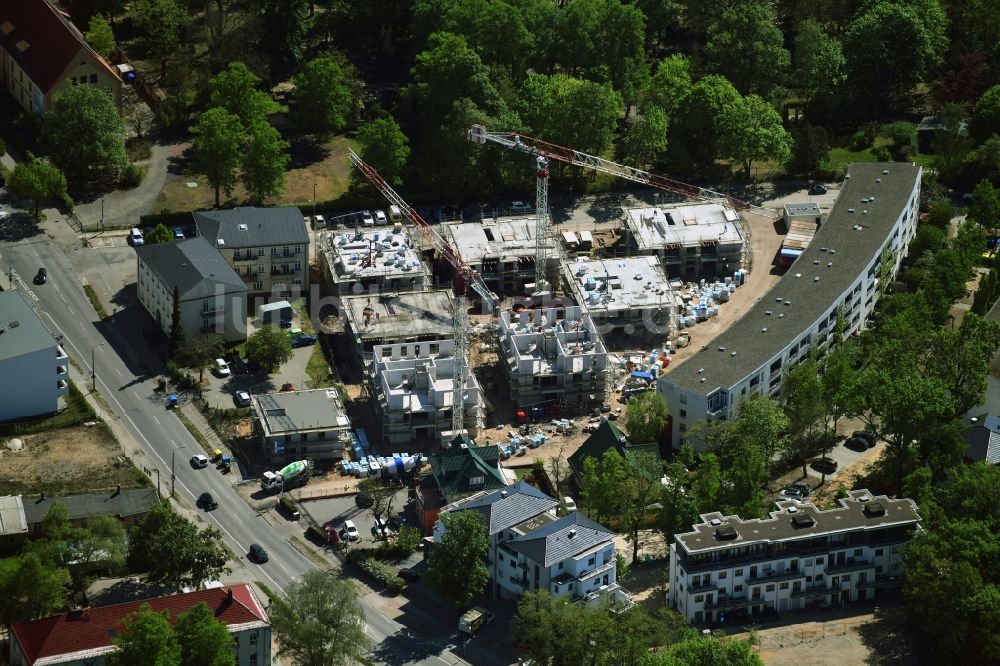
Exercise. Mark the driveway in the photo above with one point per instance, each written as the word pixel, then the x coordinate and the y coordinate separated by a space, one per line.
pixel 338 509
pixel 122 208
pixel 218 391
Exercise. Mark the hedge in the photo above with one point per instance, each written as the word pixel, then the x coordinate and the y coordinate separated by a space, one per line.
pixel 382 574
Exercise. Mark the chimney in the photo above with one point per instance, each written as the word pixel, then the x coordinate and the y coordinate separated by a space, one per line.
pixel 572 533
pixel 503 493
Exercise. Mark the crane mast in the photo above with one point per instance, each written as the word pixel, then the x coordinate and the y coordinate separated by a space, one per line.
pixel 464 278
pixel 541 223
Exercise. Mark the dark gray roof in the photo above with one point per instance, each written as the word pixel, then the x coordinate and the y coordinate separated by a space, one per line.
pixel 983 439
pixel 554 542
pixel 505 508
pixel 297 411
pixel 111 503
pixel 252 227
pixel 193 266
pixel 809 300
pixel 850 515
pixel 21 331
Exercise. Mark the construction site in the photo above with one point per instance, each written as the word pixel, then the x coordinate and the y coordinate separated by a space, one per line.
pixel 381 259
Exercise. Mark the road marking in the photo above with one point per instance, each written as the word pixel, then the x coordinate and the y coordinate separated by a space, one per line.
pixel 156 419
pixel 71 311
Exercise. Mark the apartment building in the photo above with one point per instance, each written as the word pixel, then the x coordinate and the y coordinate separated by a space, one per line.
pixel 461 470
pixel 293 425
pixel 388 318
pixel 267 247
pixel 42 52
pixel 32 354
pixel 211 295
pixel 553 355
pixel 414 388
pixel 798 558
pixel 502 250
pixel 383 259
pixel 532 549
pixel 86 637
pixel 851 259
pixel 691 240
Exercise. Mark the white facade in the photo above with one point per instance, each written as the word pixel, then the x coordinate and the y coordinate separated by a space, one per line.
pixel 224 314
pixel 798 558
pixel 414 387
pixel 32 360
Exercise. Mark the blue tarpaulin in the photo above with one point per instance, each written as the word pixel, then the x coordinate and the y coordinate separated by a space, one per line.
pixel 648 376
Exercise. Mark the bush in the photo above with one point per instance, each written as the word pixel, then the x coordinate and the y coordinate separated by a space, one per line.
pixel 382 574
pixel 863 138
pixel 131 176
pixel 181 379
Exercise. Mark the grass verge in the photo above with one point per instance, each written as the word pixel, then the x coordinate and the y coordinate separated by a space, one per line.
pixel 266 590
pixel 94 301
pixel 318 369
pixel 195 432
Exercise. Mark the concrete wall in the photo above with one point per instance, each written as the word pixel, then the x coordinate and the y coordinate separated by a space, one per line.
pixel 41 379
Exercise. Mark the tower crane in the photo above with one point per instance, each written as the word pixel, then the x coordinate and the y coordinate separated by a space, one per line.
pixel 464 277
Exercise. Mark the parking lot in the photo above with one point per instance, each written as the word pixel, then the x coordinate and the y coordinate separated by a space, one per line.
pixel 336 510
pixel 219 391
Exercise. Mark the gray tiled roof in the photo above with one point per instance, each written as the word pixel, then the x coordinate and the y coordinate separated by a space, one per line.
pixel 746 346
pixel 553 542
pixel 193 266
pixel 984 440
pixel 252 227
pixel 502 511
pixel 111 503
pixel 21 331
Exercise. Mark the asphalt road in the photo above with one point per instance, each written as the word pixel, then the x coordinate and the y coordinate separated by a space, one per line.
pixel 122 381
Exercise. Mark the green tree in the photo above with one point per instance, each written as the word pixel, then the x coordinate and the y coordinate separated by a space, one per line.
pixel 745 46
pixel 384 147
pixel 941 213
pixel 323 96
pixel 671 83
pixel 986 115
pixel 646 417
pixel 804 406
pixel 747 448
pixel 319 621
pixel 679 510
pixel 571 112
pixel 147 639
pixel 204 640
pixel 269 348
pixel 623 489
pixel 265 158
pixel 456 567
pixel 752 131
pixel 902 138
pixel 697 124
pixel 218 144
pixel 84 136
pixel 381 496
pixel 601 485
pixel 163 25
pixel 176 327
pixel 174 551
pixel 37 180
pixel 101 543
pixel 99 35
pixel 810 147
pixel 200 352
pixel 282 29
pixel 706 488
pixel 985 207
pixel 647 137
pixel 236 89
pixel 159 234
pixel 819 60
pixel 30 588
pixel 706 651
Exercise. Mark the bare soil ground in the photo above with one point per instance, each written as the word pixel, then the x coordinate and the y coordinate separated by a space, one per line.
pixel 68 460
pixel 964 304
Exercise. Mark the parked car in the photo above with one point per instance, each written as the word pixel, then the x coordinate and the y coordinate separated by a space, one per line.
pixel 241 398
pixel 856 444
pixel 380 217
pixel 825 465
pixel 351 530
pixel 178 233
pixel 288 386
pixel 380 529
pixel 868 437
pixel 207 502
pixel 221 367
pixel 570 504
pixel 818 188
pixel 41 276
pixel 794 491
pixel 135 237
pixel 367 219
pixel 199 461
pixel 304 340
pixel 294 332
pixel 237 365
pixel 520 206
pixel 257 553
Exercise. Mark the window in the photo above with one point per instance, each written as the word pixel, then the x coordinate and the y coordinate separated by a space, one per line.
pixel 722 575
pixel 696 581
pixel 253 638
pixel 857 552
pixel 699 598
pixel 684 413
pixel 592 561
pixel 298 249
pixel 769 588
pixel 819 560
pixel 683 427
pixel 93 78
pixel 737 588
pixel 477 480
pixel 260 252
pixel 878 553
pixel 260 268
pixel 257 286
pixel 204 306
pixel 738 572
pixel 783 586
pixel 560 566
pixel 684 399
pixel 253 659
pixel 297 283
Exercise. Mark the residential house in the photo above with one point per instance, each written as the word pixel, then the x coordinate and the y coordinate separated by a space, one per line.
pixel 606 438
pixel 292 425
pixel 798 558
pixel 86 637
pixel 43 52
pixel 268 247
pixel 13 525
pixel 32 354
pixel 532 549
pixel 983 438
pixel 460 470
pixel 212 296
pixel 129 506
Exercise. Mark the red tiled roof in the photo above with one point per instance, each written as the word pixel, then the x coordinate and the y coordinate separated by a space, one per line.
pixel 52 40
pixel 93 630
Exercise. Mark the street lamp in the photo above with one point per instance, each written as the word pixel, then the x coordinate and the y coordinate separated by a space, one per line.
pixel 173 477
pixel 93 362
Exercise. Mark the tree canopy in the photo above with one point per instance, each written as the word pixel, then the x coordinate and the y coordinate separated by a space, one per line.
pixel 218 144
pixel 37 181
pixel 456 567
pixel 84 137
pixel 745 46
pixel 323 96
pixel 384 147
pixel 174 551
pixel 269 347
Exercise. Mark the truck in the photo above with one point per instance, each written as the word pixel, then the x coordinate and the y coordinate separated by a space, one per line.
pixel 392 466
pixel 472 621
pixel 291 475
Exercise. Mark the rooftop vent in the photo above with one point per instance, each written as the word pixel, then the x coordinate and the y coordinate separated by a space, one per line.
pixel 767 312
pixel 850 210
pixel 871 199
pixel 878 180
pixel 816 279
pixel 829 264
pixel 701 370
pixel 242 227
pixel 503 493
pixel 788 302
pixel 793 509
pixel 732 353
pixel 715 522
pixel 778 299
pixel 865 498
pixel 572 533
pixel 798 275
pixel 721 348
pixel 781 315
pixel 702 380
pixel 800 520
pixel 815 262
pixel 764 330
pixel 885 172
pixel 725 533
pixel 874 509
pixel 832 251
pixel 864 212
pixel 822 249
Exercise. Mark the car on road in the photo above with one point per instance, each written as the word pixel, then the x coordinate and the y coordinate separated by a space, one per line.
pixel 41 276
pixel 794 491
pixel 199 461
pixel 817 189
pixel 207 502
pixel 825 465
pixel 570 504
pixel 304 340
pixel 868 437
pixel 367 219
pixel 520 205
pixel 221 367
pixel 241 398
pixel 351 531
pixel 178 233
pixel 257 553
pixel 380 217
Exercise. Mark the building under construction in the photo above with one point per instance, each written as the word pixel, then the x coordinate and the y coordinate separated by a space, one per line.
pixel 553 356
pixel 629 295
pixel 692 240
pixel 502 250
pixel 414 386
pixel 374 259
pixel 386 318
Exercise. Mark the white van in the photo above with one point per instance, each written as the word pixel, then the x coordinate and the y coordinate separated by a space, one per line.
pixel 135 237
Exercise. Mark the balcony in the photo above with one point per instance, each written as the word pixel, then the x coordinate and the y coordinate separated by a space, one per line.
pixel 595 572
pixel 62 387
pixel 811 591
pixel 850 565
pixel 60 370
pixel 61 353
pixel 774 576
pixel 703 587
pixel 246 256
pixel 211 312
pixel 727 603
